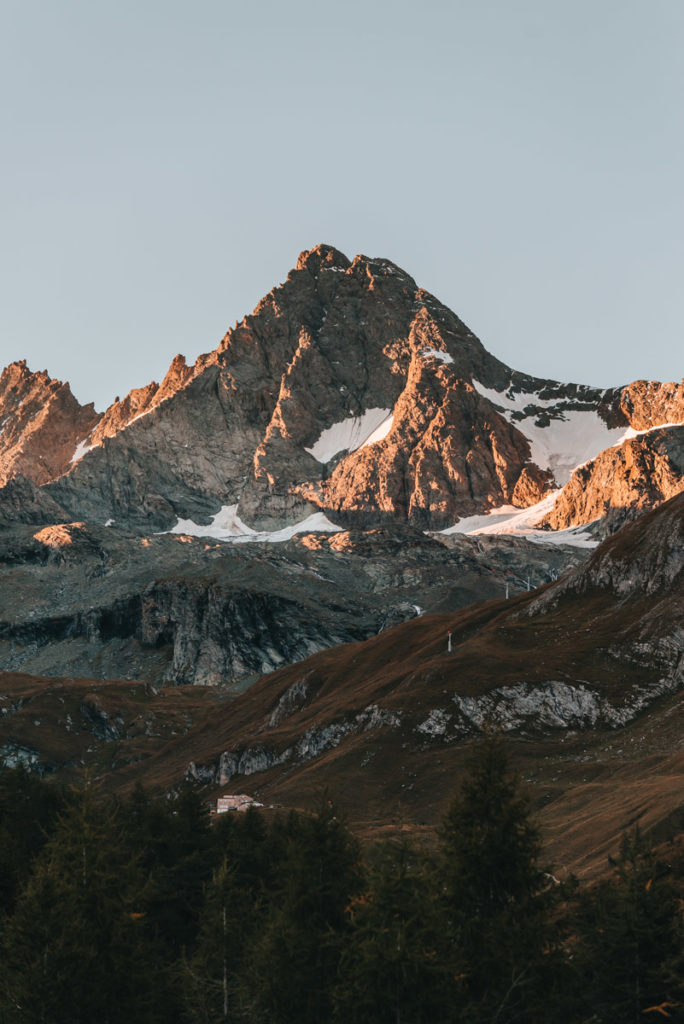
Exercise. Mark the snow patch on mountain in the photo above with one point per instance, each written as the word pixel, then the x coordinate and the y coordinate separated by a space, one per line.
pixel 568 441
pixel 436 353
pixel 140 415
pixel 571 438
pixel 352 433
pixel 81 448
pixel 630 432
pixel 521 523
pixel 226 525
pixel 380 432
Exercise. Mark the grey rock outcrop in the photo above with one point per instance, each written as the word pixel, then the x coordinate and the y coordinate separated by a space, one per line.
pixel 100 602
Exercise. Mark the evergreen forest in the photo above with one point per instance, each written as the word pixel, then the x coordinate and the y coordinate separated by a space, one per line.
pixel 145 910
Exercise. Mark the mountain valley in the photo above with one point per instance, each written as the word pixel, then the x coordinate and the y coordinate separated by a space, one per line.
pixel 331 551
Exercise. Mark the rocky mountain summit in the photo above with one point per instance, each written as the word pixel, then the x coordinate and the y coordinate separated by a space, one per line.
pixel 348 391
pixel 40 425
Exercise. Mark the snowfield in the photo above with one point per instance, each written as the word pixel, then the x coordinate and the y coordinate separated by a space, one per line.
pixel 436 353
pixel 521 523
pixel 573 437
pixel 81 448
pixel 351 434
pixel 226 525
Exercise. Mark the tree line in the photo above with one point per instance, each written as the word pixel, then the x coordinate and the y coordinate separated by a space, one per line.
pixel 142 911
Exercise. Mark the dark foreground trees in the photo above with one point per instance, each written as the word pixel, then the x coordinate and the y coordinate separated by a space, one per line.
pixel 629 964
pixel 75 949
pixel 498 900
pixel 142 912
pixel 394 965
pixel 295 959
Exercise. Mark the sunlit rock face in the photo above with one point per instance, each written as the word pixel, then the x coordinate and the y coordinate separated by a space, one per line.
pixel 41 424
pixel 349 391
pixel 638 474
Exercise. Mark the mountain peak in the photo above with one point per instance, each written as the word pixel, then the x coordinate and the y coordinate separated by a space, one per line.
pixel 349 391
pixel 42 423
pixel 18 371
pixel 322 257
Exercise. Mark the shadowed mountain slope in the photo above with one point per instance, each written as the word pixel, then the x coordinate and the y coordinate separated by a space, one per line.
pixel 577 674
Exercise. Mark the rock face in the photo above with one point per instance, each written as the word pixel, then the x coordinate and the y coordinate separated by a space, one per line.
pixel 646 557
pixel 645 404
pixel 639 474
pixel 41 424
pixel 227 637
pixel 139 402
pixel 80 600
pixel 448 453
pixel 21 501
pixel 348 390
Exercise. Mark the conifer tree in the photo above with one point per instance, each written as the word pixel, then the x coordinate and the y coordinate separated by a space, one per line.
pixel 392 964
pixel 237 904
pixel 213 992
pixel 293 962
pixel 254 851
pixel 178 856
pixel 28 808
pixel 75 950
pixel 497 895
pixel 629 955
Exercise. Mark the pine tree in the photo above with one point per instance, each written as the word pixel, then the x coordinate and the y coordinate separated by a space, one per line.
pixel 392 964
pixel 178 857
pixel 497 896
pixel 254 851
pixel 75 950
pixel 629 939
pixel 212 982
pixel 28 808
pixel 238 904
pixel 293 962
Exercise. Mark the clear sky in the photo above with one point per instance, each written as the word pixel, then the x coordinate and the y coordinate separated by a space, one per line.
pixel 164 162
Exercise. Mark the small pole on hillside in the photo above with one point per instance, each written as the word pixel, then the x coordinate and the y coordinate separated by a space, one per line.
pixel 449 643
pixel 506 591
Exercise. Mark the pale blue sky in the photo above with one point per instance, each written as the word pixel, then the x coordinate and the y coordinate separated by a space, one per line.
pixel 164 162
